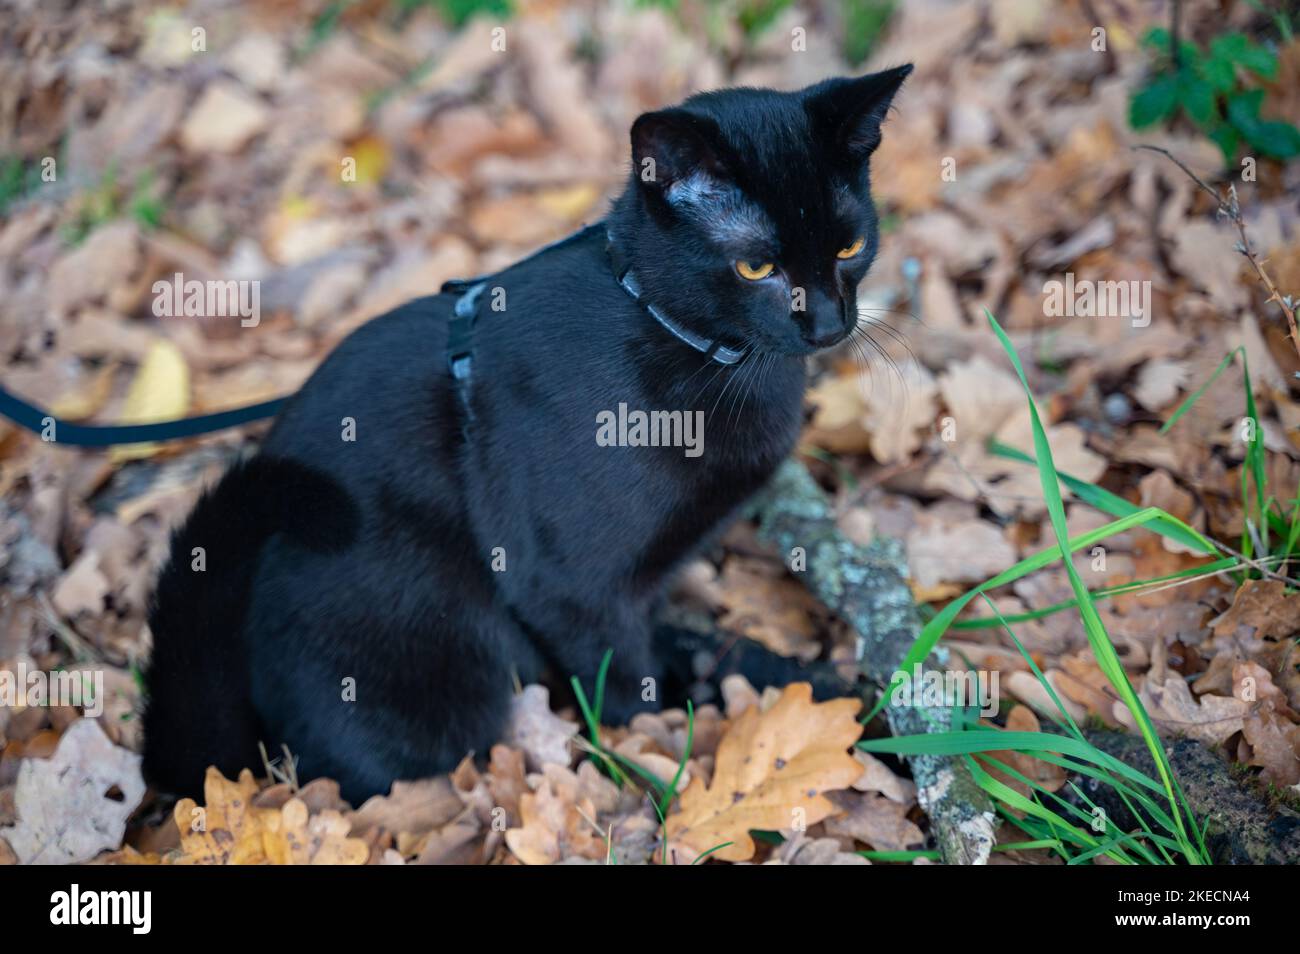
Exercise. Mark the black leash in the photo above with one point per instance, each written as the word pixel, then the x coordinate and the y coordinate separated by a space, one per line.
pixel 460 363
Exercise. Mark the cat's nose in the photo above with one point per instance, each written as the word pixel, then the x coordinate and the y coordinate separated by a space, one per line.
pixel 823 324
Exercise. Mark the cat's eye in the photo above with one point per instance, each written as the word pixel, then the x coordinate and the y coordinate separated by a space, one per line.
pixel 852 249
pixel 754 272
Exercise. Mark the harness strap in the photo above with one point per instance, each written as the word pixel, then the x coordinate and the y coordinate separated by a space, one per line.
pixel 460 342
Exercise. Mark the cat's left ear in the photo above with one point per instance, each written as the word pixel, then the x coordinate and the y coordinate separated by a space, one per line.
pixel 850 111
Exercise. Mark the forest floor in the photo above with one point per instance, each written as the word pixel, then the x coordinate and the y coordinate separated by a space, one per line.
pixel 351 161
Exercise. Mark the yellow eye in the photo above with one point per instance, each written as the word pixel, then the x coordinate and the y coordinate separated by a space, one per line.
pixel 754 272
pixel 852 249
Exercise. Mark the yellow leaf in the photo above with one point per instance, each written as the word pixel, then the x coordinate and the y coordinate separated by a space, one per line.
pixel 568 203
pixel 226 831
pixel 772 770
pixel 231 830
pixel 160 391
pixel 371 157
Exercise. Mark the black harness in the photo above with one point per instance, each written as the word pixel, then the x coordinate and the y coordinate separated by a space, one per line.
pixel 464 314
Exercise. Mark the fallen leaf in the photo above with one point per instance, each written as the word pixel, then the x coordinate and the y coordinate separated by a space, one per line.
pixel 414 807
pixel 875 820
pixel 772 769
pixel 231 830
pixel 160 391
pixel 557 823
pixel 941 549
pixel 1264 605
pixel 1175 711
pixel 224 119
pixel 1159 382
pixel 762 602
pixel 533 727
pixel 802 850
pixel 74 804
pixel 1051 777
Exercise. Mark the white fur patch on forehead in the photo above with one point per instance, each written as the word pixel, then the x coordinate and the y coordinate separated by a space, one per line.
pixel 720 210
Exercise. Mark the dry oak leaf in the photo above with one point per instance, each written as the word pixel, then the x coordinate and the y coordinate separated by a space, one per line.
pixel 762 602
pixel 231 830
pixel 558 823
pixel 769 765
pixel 1175 711
pixel 410 806
pixel 874 820
pixel 542 734
pixel 294 836
pixel 74 804
pixel 1274 744
pixel 877 777
pixel 1265 605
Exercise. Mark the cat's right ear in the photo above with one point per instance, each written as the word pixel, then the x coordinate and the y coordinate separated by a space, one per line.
pixel 673 146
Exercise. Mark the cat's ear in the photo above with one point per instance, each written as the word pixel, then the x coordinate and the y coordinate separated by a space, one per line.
pixel 850 111
pixel 673 145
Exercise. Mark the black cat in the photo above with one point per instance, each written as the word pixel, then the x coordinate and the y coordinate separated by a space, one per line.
pixel 440 512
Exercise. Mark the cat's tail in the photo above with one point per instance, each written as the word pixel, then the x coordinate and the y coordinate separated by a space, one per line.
pixel 198 709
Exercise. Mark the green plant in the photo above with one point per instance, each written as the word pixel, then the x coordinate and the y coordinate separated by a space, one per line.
pixel 460 12
pixel 864 22
pixel 1166 830
pixel 1207 86
pixel 109 200
pixel 17 181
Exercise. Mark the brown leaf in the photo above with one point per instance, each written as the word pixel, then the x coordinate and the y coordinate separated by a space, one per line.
pixel 1264 605
pixel 772 770
pixel 65 812
pixel 414 807
pixel 533 727
pixel 231 830
pixel 557 823
pixel 763 603
pixel 1172 708
pixel 874 820
pixel 877 777
pixel 944 549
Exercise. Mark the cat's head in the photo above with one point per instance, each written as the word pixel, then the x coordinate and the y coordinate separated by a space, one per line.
pixel 750 212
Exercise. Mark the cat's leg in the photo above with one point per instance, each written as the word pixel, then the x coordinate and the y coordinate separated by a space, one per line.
pixel 696 656
pixel 575 631
pixel 369 674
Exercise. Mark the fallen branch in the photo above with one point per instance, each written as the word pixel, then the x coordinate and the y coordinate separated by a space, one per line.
pixel 1242 829
pixel 867 587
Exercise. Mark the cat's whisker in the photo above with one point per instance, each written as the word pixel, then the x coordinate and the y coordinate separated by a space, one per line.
pixel 707 384
pixel 751 374
pixel 887 329
pixel 888 358
pixel 726 385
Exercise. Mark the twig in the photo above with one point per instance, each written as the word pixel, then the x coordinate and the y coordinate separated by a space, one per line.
pixel 867 587
pixel 1230 209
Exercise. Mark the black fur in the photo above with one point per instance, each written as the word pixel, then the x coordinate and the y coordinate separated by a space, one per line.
pixel 329 560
